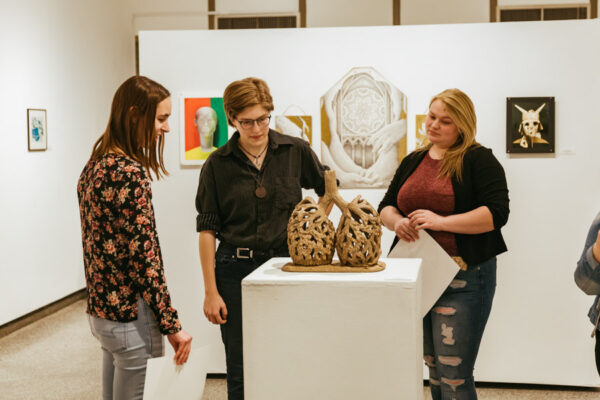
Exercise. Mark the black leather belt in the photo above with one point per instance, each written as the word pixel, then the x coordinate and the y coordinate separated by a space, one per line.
pixel 245 253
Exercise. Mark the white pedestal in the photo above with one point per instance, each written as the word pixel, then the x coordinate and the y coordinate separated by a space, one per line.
pixel 333 336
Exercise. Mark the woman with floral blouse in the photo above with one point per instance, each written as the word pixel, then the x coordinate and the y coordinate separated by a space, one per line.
pixel 129 305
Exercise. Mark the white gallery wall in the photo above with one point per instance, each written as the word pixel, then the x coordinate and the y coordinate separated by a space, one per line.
pixel 538 331
pixel 174 14
pixel 329 13
pixel 193 14
pixel 65 56
pixel 520 3
pixel 417 12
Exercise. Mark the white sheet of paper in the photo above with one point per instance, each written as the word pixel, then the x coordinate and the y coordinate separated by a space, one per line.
pixel 437 269
pixel 165 380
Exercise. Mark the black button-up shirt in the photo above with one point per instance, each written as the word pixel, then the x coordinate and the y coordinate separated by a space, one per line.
pixel 226 200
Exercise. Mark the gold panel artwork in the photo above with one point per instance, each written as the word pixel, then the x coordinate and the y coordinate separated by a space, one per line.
pixel 420 132
pixel 295 125
pixel 325 132
pixel 312 240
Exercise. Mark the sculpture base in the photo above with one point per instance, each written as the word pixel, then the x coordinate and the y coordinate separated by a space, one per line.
pixel 333 267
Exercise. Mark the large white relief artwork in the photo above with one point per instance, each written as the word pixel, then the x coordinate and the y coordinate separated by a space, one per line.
pixel 363 129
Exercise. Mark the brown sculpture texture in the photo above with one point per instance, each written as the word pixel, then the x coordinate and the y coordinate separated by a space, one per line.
pixel 310 234
pixel 358 236
pixel 311 237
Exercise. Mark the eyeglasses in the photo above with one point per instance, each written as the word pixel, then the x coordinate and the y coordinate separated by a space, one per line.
pixel 249 123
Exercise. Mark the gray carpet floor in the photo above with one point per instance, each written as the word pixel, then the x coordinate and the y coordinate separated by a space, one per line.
pixel 57 358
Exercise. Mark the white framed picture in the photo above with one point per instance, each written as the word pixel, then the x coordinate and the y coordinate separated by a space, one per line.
pixel 204 127
pixel 37 131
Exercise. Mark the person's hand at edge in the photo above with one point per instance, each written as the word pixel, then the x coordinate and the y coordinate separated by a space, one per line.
pixel 215 309
pixel 182 344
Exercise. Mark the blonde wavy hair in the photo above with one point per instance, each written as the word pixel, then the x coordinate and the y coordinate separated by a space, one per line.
pixel 462 112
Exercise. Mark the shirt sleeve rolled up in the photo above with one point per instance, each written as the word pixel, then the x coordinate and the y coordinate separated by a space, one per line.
pixel 207 204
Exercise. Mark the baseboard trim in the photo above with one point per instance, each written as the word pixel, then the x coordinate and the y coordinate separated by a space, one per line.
pixel 42 312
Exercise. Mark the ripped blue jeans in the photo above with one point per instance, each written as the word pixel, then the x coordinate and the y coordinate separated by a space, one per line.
pixel 452 331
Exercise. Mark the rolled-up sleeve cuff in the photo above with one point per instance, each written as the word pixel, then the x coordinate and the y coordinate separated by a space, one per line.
pixel 589 255
pixel 586 274
pixel 207 222
pixel 499 211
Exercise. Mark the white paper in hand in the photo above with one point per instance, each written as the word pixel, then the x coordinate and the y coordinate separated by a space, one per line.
pixel 437 268
pixel 165 380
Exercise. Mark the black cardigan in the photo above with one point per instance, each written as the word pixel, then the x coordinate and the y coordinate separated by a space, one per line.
pixel 483 184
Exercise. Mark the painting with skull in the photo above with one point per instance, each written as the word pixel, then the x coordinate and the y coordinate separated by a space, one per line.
pixel 530 125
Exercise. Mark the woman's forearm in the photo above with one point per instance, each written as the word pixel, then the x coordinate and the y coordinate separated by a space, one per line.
pixel 472 222
pixel 206 245
pixel 389 216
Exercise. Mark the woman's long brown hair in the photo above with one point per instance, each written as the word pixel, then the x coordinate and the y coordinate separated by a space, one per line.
pixel 130 127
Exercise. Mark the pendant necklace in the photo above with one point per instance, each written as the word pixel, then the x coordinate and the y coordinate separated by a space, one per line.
pixel 256 157
pixel 260 191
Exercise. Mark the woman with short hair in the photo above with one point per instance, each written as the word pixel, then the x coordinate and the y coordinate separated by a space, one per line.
pixel 247 191
pixel 456 190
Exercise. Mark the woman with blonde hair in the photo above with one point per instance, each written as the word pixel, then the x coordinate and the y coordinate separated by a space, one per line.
pixel 128 304
pixel 456 190
pixel 247 191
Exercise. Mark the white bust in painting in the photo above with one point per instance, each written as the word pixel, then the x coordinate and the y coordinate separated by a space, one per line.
pixel 206 124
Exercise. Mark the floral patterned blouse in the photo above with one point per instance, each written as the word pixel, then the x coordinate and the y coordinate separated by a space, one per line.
pixel 121 252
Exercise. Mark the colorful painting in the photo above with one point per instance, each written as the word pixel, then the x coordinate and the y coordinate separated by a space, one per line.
pixel 204 128
pixel 530 125
pixel 299 126
pixel 363 129
pixel 420 131
pixel 37 131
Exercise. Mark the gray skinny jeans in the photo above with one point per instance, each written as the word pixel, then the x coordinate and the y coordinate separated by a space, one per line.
pixel 126 347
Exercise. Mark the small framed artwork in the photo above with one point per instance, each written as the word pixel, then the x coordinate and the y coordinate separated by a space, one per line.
pixel 530 125
pixel 37 131
pixel 204 128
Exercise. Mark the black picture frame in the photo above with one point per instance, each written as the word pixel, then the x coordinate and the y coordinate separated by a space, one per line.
pixel 530 127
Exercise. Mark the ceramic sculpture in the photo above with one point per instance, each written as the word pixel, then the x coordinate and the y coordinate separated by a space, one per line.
pixel 312 240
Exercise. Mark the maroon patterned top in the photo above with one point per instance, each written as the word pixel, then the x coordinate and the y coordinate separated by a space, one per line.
pixel 121 253
pixel 425 190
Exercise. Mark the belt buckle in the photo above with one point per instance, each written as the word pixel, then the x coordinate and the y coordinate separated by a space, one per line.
pixel 240 249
